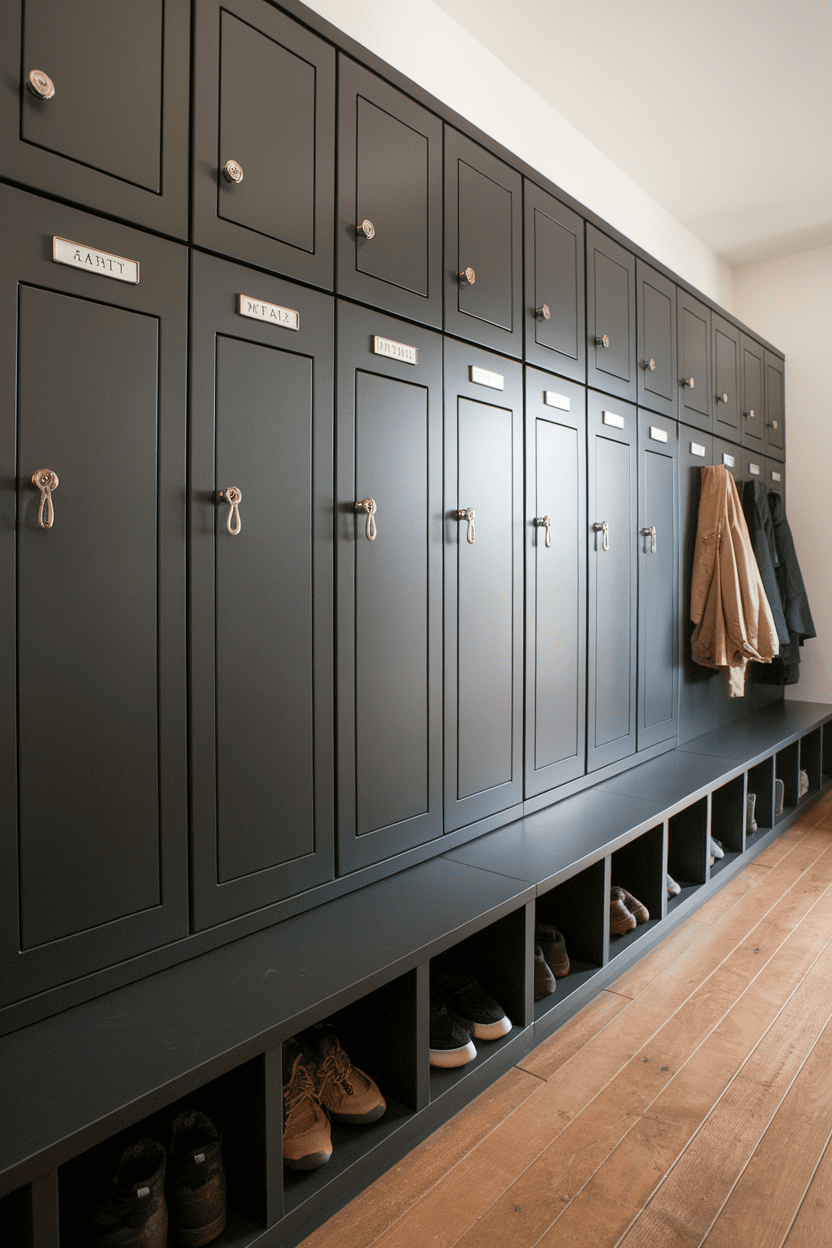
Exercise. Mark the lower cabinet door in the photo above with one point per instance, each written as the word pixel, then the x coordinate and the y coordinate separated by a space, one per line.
pixel 483 584
pixel 261 589
pixel 555 543
pixel 612 575
pixel 389 586
pixel 93 789
pixel 658 713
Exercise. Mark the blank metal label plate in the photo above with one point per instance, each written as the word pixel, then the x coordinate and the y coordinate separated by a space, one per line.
pixel 612 418
pixel 697 449
pixel 551 399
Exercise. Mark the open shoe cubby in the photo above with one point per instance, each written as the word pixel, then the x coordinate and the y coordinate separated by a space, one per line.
pixel 787 769
pixel 638 867
pixel 810 761
pixel 826 753
pixel 577 908
pixel 761 784
pixel 728 810
pixel 687 850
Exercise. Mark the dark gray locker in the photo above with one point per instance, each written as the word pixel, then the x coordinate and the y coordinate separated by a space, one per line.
pixel 698 686
pixel 656 304
pixel 657 581
pixel 555 537
pixel 694 386
pixel 774 406
pixel 612 496
pixel 752 467
pixel 483 584
pixel 483 246
pixel 725 353
pixel 752 376
pixel 261 589
pixel 94 105
pixel 729 454
pixel 776 477
pixel 93 373
pixel 389 198
pixel 610 316
pixel 555 303
pixel 389 580
pixel 263 164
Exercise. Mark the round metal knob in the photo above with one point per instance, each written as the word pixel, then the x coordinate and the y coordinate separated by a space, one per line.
pixel 467 277
pixel 41 85
pixel 232 172
pixel 366 229
pixel 543 313
pixel 688 382
pixel 650 366
pixel 722 398
pixel 603 341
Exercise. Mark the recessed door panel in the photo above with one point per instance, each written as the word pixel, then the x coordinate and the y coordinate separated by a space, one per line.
pixel 694 389
pixel 725 344
pixel 774 430
pixel 611 316
pixel 391 178
pixel 657 668
pixel 656 340
pixel 554 285
pixel 752 357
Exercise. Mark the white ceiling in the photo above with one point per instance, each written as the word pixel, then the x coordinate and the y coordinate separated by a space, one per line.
pixel 719 109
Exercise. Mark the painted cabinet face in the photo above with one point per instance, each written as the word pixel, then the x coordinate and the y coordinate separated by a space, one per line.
pixel 752 364
pixel 389 232
pixel 610 316
pixel 657 581
pixel 264 140
pixel 261 589
pixel 94 376
pixel 483 584
pixel 694 387
pixel 774 406
pixel 554 293
pixel 725 353
pixel 555 543
pixel 91 110
pixel 656 340
pixel 612 580
pixel 389 579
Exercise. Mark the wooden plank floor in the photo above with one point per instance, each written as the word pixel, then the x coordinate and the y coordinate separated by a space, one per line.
pixel 689 1104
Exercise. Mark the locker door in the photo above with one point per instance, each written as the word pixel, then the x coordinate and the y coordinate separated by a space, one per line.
pixel 389 576
pixel 264 140
pixel 555 581
pixel 483 585
pixel 656 340
pixel 610 316
pixel 554 308
pixel 775 402
pixel 483 246
pixel 725 353
pixel 390 198
pixel 657 581
pixel 752 357
pixel 261 589
pixel 113 135
pixel 694 388
pixel 93 629
pixel 698 686
pixel 613 573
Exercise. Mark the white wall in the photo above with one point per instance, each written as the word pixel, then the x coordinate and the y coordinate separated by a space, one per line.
pixel 789 301
pixel 424 43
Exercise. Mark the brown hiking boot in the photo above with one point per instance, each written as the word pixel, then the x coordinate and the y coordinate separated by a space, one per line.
pixel 553 947
pixel 544 980
pixel 131 1211
pixel 346 1093
pixel 636 907
pixel 307 1140
pixel 195 1186
pixel 621 920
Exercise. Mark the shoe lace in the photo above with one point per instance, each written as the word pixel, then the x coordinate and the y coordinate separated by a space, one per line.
pixel 300 1087
pixel 336 1068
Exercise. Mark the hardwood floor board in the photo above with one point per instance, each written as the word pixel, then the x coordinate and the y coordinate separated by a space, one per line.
pixel 548 1057
pixel 538 1196
pixel 613 1197
pixel 768 1193
pixel 810 1228
pixel 686 1203
pixel 641 976
pixel 727 897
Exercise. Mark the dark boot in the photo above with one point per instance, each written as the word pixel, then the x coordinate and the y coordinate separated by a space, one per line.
pixel 131 1210
pixel 553 948
pixel 196 1180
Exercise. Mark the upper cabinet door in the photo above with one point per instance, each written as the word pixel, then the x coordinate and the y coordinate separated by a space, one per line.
pixel 725 354
pixel 264 139
pixel 752 372
pixel 775 443
pixel 694 380
pixel 554 308
pixel 610 316
pixel 483 246
pixel 93 112
pixel 656 340
pixel 261 589
pixel 658 707
pixel 389 198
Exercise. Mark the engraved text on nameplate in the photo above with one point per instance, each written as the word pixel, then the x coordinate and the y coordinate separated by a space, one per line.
pixel 79 256
pixel 271 312
pixel 395 350
pixel 483 377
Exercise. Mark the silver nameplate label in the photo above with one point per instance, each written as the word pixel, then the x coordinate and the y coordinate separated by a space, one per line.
pixel 658 435
pixel 395 350
pixel 556 400
pixel 696 449
pixel 79 256
pixel 754 469
pixel 775 476
pixel 728 461
pixel 610 418
pixel 484 378
pixel 288 318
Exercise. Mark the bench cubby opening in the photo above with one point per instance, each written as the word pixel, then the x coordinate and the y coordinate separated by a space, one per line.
pixel 638 867
pixel 761 784
pixel 728 812
pixel 810 761
pixel 576 908
pixel 826 753
pixel 16 1219
pixel 787 769
pixel 687 850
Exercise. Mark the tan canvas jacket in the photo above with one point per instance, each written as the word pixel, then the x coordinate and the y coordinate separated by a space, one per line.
pixel 728 605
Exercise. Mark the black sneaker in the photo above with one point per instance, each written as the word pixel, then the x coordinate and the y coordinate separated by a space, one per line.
pixel 467 1001
pixel 450 1044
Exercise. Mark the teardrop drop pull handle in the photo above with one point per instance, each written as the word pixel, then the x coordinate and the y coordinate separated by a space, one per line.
pixel 544 522
pixel 601 526
pixel 233 497
pixel 368 505
pixel 46 481
pixel 651 533
pixel 467 513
